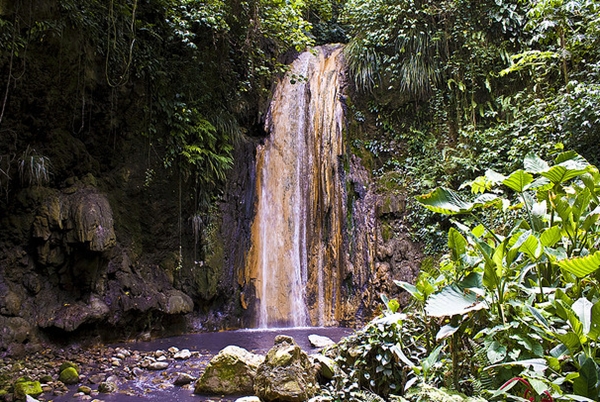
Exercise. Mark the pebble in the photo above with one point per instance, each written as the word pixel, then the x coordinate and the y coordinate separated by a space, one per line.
pixel 183 354
pixel 107 387
pixel 184 379
pixel 107 370
pixel 84 389
pixel 158 365
pixel 97 378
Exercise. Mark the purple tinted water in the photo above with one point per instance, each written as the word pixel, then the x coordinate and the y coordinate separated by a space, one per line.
pixel 257 340
pixel 151 385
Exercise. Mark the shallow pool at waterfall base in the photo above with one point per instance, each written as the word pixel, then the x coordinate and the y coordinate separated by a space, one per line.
pixel 149 385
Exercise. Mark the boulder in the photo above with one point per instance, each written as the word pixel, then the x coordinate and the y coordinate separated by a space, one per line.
pixel 319 341
pixel 178 303
pixel 325 366
pixel 23 387
pixel 230 372
pixel 69 375
pixel 287 374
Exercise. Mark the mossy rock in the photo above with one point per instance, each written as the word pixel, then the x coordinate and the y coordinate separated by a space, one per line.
pixel 46 379
pixel 69 376
pixel 107 387
pixel 23 387
pixel 67 364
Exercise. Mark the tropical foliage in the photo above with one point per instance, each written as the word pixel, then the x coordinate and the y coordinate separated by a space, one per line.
pixel 452 88
pixel 513 310
pixel 86 85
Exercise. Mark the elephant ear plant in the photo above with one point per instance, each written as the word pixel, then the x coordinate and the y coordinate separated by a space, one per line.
pixel 521 299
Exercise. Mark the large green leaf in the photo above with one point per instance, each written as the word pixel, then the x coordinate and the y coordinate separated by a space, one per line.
pixel 532 247
pixel 491 277
pixel 494 176
pixel 457 243
pixel 586 383
pixel 583 309
pixel 594 333
pixel 562 207
pixel 580 206
pixel 590 180
pixel 445 201
pixel 569 165
pixel 551 236
pixel 581 266
pixel 518 180
pixel 453 301
pixel 535 164
pixel 496 352
pixel 572 160
pixel 410 288
pixel 571 341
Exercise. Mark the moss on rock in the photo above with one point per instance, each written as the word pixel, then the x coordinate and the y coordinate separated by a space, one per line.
pixel 69 376
pixel 24 387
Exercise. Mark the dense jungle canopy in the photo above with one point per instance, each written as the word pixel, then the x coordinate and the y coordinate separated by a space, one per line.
pixel 446 88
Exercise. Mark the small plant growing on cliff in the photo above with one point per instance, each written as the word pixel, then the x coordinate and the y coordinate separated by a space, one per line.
pixel 34 169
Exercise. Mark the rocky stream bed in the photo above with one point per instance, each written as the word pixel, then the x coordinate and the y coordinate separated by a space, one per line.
pixel 161 370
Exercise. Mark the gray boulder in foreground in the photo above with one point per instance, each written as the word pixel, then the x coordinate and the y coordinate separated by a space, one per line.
pixel 319 341
pixel 287 374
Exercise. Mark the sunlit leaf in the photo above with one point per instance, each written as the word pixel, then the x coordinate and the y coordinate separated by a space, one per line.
pixel 535 164
pixel 494 176
pixel 445 201
pixel 583 309
pixel 518 181
pixel 551 236
pixel 453 301
pixel 445 331
pixel 581 266
pixel 571 341
pixel 457 243
pixel 532 247
pixel 410 288
pixel 569 165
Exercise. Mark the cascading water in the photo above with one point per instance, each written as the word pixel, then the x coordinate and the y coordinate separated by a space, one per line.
pixel 295 258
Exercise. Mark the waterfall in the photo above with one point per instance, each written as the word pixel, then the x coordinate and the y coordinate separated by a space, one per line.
pixel 296 257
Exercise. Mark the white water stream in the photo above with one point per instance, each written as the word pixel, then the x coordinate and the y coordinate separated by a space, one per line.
pixel 298 189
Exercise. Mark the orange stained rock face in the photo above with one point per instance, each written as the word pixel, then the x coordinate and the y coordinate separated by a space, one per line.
pixel 295 259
